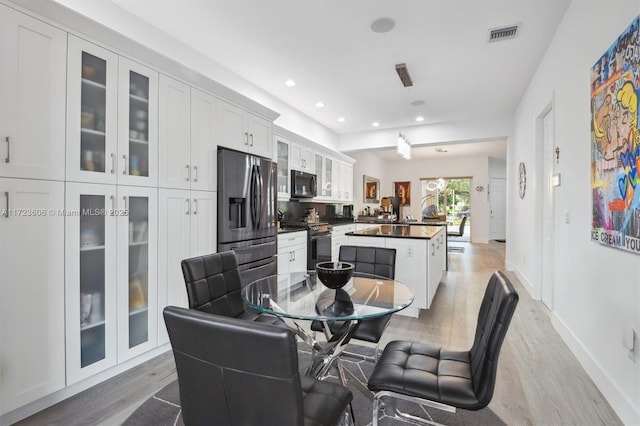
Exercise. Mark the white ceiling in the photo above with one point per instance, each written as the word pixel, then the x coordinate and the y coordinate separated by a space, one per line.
pixel 329 49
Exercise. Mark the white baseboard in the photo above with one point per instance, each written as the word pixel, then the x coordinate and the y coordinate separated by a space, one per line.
pixel 525 283
pixel 627 410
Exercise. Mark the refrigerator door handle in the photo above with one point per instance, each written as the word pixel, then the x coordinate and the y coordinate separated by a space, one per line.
pixel 254 197
pixel 260 188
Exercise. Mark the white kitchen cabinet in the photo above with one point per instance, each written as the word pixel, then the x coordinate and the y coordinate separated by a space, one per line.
pixel 338 238
pixel 282 156
pixel 188 125
pixel 91 279
pixel 437 253
pixel 111 275
pixel 347 183
pixel 112 113
pixel 92 112
pixel 204 147
pixel 244 131
pixel 174 123
pixel 32 305
pixel 137 268
pixel 32 97
pixel 292 252
pixel 302 158
pixel 137 124
pixel 187 228
pixel 411 267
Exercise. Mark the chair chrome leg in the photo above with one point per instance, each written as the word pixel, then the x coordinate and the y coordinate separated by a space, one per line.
pixel 378 405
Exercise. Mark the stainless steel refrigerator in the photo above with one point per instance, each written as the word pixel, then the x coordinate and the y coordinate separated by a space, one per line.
pixel 247 212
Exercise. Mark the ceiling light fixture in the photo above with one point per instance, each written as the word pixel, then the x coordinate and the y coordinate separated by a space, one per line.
pixel 382 25
pixel 342 119
pixel 375 124
pixel 320 104
pixel 403 144
pixel 290 83
pixel 439 184
pixel 419 118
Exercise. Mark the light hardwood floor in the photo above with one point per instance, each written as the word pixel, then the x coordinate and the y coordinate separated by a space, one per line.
pixel 539 381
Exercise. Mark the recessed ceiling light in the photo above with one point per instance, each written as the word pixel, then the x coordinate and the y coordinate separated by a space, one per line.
pixel 382 25
pixel 419 118
pixel 417 103
pixel 375 124
pixel 320 104
pixel 342 119
pixel 290 83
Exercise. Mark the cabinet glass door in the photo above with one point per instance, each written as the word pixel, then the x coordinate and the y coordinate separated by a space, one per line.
pixel 138 125
pixel 283 168
pixel 92 279
pixel 92 113
pixel 138 270
pixel 319 175
pixel 328 177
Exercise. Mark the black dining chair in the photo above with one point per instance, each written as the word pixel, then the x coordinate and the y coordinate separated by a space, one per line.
pixel 214 286
pixel 368 261
pixel 233 372
pixel 446 379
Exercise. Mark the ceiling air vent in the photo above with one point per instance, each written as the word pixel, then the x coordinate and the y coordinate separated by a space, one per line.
pixel 504 33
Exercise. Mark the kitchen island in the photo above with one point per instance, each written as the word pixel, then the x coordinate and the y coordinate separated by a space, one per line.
pixel 420 257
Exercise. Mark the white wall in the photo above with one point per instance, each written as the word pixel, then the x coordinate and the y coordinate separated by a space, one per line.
pixel 369 165
pixel 597 289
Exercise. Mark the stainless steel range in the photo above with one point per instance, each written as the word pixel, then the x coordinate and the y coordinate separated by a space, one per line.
pixel 318 241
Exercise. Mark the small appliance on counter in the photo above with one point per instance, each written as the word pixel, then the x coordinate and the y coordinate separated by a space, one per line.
pixel 347 210
pixel 390 208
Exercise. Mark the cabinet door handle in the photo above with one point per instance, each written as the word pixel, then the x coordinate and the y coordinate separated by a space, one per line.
pixel 188 207
pixel 195 206
pixel 126 165
pixel 6 212
pixel 188 173
pixel 113 202
pixel 246 138
pixel 126 202
pixel 251 136
pixel 195 173
pixel 8 140
pixel 113 163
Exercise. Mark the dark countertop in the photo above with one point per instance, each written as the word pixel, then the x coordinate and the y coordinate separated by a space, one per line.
pixel 404 222
pixel 424 232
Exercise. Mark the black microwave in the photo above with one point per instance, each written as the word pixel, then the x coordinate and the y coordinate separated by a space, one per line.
pixel 303 185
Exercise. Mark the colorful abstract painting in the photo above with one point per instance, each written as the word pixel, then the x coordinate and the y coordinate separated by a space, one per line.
pixel 615 144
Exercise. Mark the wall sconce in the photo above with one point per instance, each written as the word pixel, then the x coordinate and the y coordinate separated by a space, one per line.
pixel 557 155
pixel 479 188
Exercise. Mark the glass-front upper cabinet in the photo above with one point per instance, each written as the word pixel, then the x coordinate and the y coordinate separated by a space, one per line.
pixel 90 258
pixel 318 160
pixel 137 124
pixel 284 166
pixel 137 266
pixel 92 122
pixel 327 189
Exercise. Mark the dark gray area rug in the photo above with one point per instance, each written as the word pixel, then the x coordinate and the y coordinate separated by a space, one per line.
pixel 163 408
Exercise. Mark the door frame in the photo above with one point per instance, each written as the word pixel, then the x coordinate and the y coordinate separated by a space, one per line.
pixel 546 204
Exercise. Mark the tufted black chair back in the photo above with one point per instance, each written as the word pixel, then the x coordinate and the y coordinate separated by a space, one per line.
pixel 213 284
pixel 370 260
pixel 496 310
pixel 234 372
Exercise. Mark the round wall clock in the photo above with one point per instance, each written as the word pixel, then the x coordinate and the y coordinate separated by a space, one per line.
pixel 522 179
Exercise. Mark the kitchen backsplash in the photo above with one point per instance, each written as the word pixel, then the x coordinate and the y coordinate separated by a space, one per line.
pixel 295 211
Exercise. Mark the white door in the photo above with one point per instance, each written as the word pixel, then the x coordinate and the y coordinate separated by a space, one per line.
pixel 547 285
pixel 174 134
pixel 32 322
pixel 498 209
pixel 32 97
pixel 174 245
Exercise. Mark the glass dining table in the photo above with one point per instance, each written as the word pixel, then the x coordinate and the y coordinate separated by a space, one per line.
pixel 302 296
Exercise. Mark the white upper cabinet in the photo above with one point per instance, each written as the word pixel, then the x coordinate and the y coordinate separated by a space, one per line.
pixel 137 124
pixel 32 97
pixel 112 113
pixel 174 125
pixel 282 157
pixel 204 147
pixel 244 131
pixel 302 158
pixel 92 107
